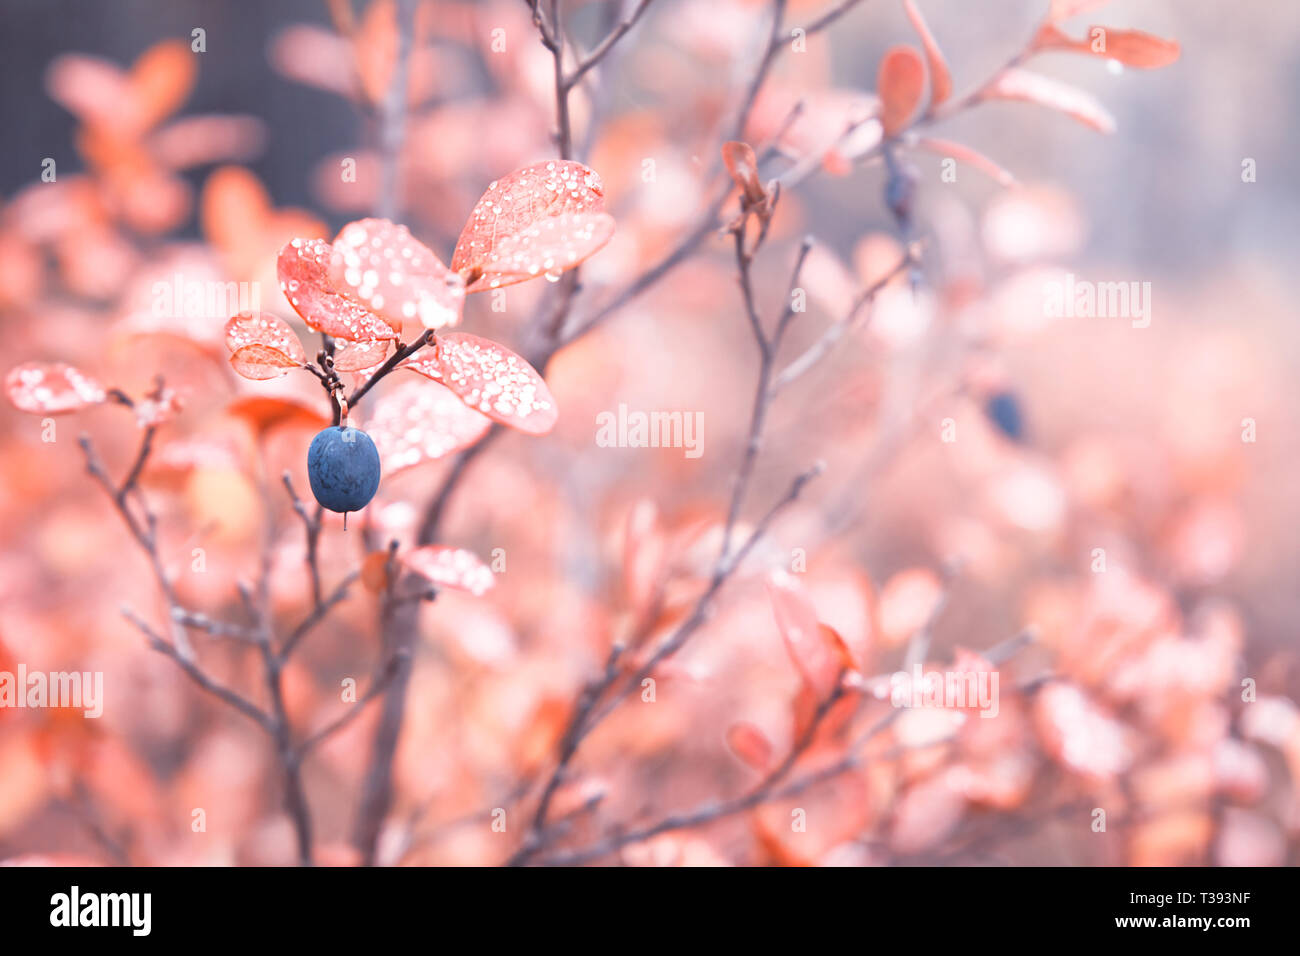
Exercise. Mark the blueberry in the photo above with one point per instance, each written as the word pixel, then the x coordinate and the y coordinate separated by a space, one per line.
pixel 343 466
pixel 1004 410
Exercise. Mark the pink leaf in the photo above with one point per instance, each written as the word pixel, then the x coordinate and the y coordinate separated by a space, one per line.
pixel 1130 47
pixel 750 744
pixel 451 567
pixel 421 421
pixel 1030 87
pixel 743 167
pixel 51 388
pixel 303 268
pixel 819 663
pixel 959 151
pixel 899 84
pixel 940 77
pixel 549 247
pixel 517 203
pixel 359 356
pixel 261 362
pixel 497 382
pixel 380 264
pixel 426 363
pixel 263 328
pixel 1080 735
pixel 1064 9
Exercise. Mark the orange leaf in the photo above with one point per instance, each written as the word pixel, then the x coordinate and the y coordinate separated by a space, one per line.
pixel 940 77
pixel 1130 47
pixel 263 328
pixel 358 356
pixel 899 85
pixel 1016 84
pixel 817 661
pixel 261 362
pixel 161 80
pixel 750 744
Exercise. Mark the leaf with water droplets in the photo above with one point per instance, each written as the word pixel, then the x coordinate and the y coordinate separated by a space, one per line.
pixel 359 356
pixel 261 362
pixel 451 568
pixel 513 205
pixel 419 421
pixel 263 328
pixel 426 363
pixel 548 248
pixel 303 268
pixel 51 388
pixel 380 264
pixel 495 381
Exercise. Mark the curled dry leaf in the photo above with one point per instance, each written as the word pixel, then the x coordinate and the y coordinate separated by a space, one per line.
pixel 1028 87
pixel 359 356
pixel 899 84
pixel 263 328
pixel 515 204
pixel 261 362
pixel 495 381
pixel 817 660
pixel 750 744
pixel 1130 47
pixel 742 164
pixel 940 76
pixel 51 388
pixel 303 268
pixel 380 264
pixel 420 421
pixel 451 567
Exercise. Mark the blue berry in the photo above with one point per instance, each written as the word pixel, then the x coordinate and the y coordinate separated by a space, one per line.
pixel 343 466
pixel 1004 409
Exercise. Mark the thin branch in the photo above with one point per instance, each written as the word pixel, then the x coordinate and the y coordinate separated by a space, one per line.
pixel 196 674
pixel 402 353
pixel 377 687
pixel 605 45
